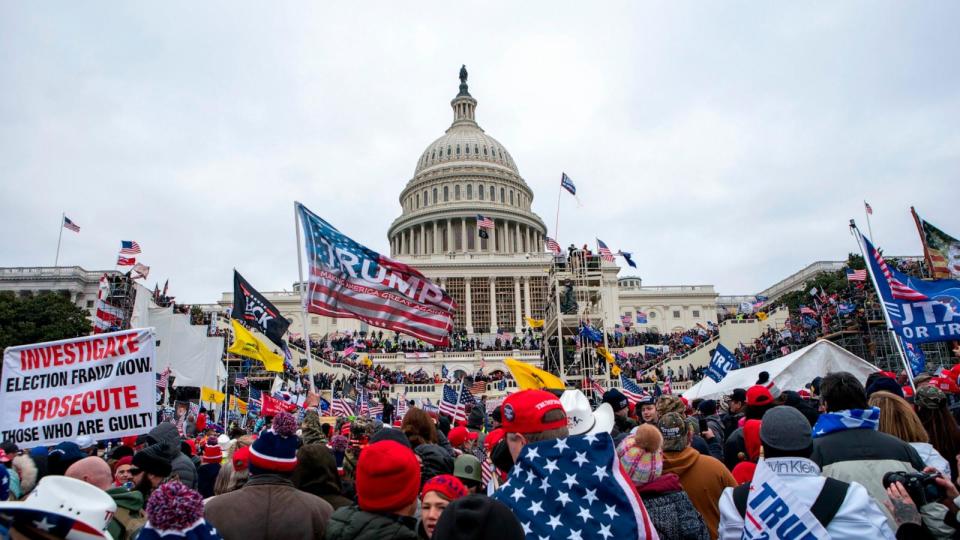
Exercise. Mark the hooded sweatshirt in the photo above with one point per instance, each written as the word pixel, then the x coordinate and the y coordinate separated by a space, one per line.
pixel 703 478
pixel 166 434
pixel 130 516
pixel 316 473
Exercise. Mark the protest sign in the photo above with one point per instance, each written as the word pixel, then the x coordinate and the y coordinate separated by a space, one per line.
pixel 722 362
pixel 101 385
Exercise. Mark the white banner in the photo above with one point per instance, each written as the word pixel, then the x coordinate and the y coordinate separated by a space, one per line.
pixel 773 512
pixel 103 386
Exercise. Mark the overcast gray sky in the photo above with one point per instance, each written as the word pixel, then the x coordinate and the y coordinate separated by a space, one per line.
pixel 723 142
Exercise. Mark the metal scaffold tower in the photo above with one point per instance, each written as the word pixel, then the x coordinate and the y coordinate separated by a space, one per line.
pixel 575 284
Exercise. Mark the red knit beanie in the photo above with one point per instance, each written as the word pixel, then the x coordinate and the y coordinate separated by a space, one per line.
pixel 447 485
pixel 388 477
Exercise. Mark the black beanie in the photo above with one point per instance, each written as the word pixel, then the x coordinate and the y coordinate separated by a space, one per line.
pixel 152 461
pixel 477 517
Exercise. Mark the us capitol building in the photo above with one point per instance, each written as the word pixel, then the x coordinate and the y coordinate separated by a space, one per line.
pixel 496 281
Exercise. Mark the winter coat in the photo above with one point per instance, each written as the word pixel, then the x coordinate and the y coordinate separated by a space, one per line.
pixel 434 461
pixel 864 456
pixel 859 516
pixel 166 434
pixel 316 473
pixel 130 516
pixel 206 478
pixel 268 506
pixel 932 458
pixel 671 511
pixel 716 425
pixel 734 449
pixel 351 523
pixel 710 448
pixel 730 423
pixel 703 479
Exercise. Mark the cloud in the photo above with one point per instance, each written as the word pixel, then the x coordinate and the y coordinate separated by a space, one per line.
pixel 724 144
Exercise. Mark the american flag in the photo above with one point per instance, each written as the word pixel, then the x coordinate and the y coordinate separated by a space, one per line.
pixel 254 397
pixel 605 252
pixel 129 247
pixel 595 386
pixel 898 289
pixel 240 381
pixel 553 246
pixel 856 275
pixel 376 408
pixel 67 224
pixel 479 387
pixel 868 208
pixel 578 484
pixel 667 386
pixel 126 261
pixel 807 311
pixel 567 184
pixel 631 389
pixel 400 299
pixel 450 406
pixel 341 406
pixel 363 406
pixel 486 471
pixel 401 406
pixel 484 222
pixel 164 379
pixel 641 317
pixel 627 321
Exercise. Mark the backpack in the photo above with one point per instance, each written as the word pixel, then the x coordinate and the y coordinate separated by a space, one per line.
pixel 824 508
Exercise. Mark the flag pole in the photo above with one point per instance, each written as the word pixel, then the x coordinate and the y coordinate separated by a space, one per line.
pixel 869 227
pixel 56 261
pixel 886 316
pixel 303 306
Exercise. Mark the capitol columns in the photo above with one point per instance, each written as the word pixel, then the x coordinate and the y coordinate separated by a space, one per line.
pixel 450 235
pixel 493 304
pixel 526 231
pixel 463 234
pixel 516 304
pixel 526 296
pixel 467 307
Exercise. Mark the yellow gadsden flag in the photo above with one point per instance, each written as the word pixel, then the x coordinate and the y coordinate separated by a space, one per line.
pixel 246 344
pixel 535 323
pixel 209 394
pixel 237 404
pixel 529 377
pixel 602 351
pixel 761 315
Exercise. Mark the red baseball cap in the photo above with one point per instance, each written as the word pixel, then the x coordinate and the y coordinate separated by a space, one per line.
pixel 460 434
pixel 945 384
pixel 493 438
pixel 524 412
pixel 759 395
pixel 907 391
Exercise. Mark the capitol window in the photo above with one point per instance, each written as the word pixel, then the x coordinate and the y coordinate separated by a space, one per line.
pixel 696 313
pixel 433 155
pixel 511 197
pixel 503 195
pixel 476 150
pixel 448 150
pixel 480 191
pixel 434 195
pixel 652 315
pixel 456 192
pixel 446 193
pixel 458 149
pixel 469 192
pixel 484 150
pixel 424 197
pixel 676 314
pixel 418 200
pixel 493 194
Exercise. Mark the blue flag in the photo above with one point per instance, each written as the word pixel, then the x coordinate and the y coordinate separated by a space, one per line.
pixel 723 362
pixel 916 357
pixel 920 311
pixel 845 309
pixel 650 351
pixel 567 184
pixel 687 340
pixel 629 258
pixel 590 333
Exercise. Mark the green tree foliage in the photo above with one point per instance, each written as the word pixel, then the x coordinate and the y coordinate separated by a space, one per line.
pixel 36 318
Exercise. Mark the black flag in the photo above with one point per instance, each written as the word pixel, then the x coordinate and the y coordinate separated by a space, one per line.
pixel 483 233
pixel 252 308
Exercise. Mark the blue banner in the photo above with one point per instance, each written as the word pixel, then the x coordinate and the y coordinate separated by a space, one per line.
pixel 920 311
pixel 845 309
pixel 723 362
pixel 651 351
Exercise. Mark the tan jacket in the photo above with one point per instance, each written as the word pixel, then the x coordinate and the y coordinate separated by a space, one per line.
pixel 268 506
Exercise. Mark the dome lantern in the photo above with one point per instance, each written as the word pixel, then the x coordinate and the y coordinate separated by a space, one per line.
pixel 464 106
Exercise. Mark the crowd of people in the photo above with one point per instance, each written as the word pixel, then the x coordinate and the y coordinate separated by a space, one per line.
pixel 848 459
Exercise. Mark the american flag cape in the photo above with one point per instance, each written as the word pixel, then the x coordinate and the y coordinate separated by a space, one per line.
pixel 349 280
pixel 574 488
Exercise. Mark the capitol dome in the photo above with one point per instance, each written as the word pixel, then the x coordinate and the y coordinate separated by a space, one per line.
pixel 462 175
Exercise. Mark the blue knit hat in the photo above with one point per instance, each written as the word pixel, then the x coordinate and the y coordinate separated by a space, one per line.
pixel 275 451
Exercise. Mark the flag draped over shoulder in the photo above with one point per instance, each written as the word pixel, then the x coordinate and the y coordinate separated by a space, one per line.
pixel 251 307
pixel 574 488
pixel 942 250
pixel 349 280
pixel 246 344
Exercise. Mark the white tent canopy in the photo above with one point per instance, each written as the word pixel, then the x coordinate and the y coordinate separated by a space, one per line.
pixel 790 372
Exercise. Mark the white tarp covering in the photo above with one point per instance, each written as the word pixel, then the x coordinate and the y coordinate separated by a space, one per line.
pixel 790 372
pixel 194 359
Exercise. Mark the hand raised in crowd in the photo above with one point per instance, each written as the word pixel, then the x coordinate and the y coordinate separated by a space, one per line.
pixel 901 506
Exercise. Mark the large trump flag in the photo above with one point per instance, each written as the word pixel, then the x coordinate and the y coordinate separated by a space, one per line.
pixel 349 280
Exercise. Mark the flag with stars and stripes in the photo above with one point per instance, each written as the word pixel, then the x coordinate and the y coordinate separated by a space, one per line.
pixel 631 389
pixel 240 381
pixel 163 379
pixel 604 251
pixel 129 247
pixel 553 246
pixel 574 488
pixel 341 406
pixel 401 409
pixel 68 224
pixel 351 281
pixel 453 408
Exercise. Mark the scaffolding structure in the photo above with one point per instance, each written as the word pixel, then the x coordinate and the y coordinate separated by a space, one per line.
pixel 121 293
pixel 575 299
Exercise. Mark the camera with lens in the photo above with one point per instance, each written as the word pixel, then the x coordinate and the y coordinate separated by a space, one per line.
pixel 922 487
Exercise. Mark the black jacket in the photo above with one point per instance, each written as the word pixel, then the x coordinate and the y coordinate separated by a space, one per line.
pixel 351 523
